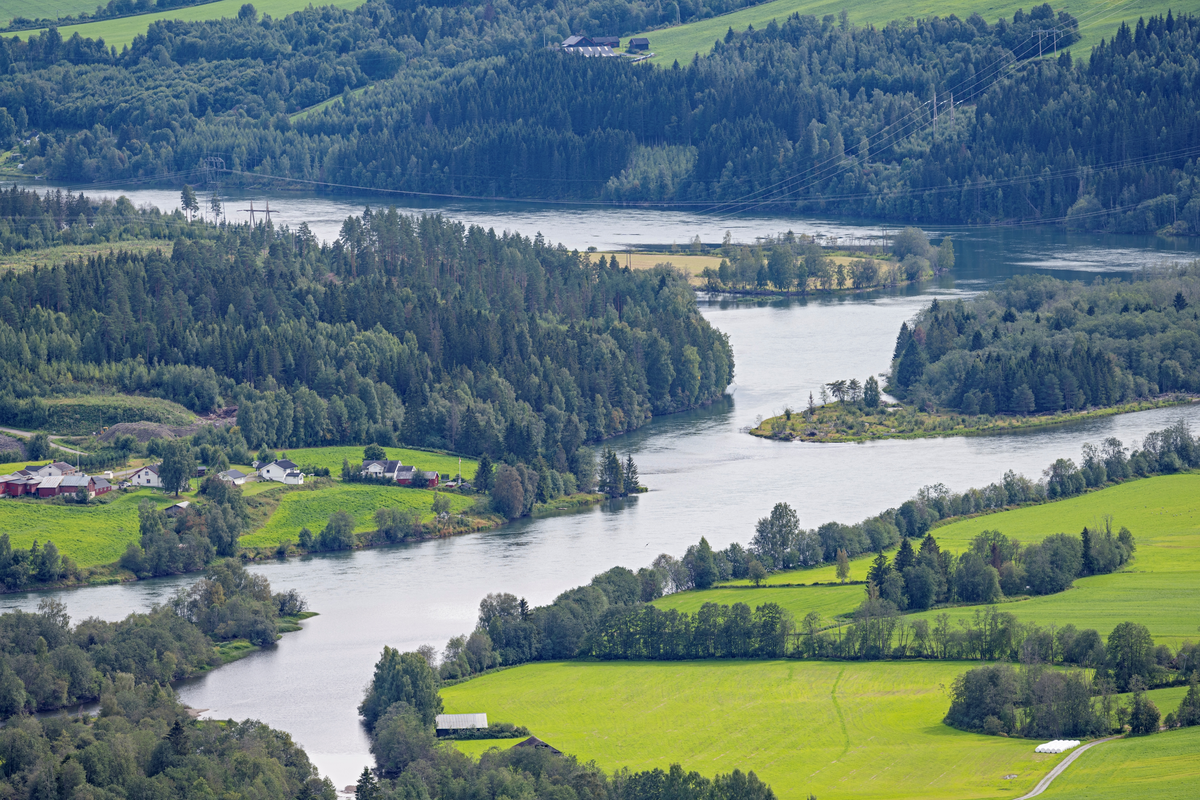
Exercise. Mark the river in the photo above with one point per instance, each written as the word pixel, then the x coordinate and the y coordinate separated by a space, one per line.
pixel 707 477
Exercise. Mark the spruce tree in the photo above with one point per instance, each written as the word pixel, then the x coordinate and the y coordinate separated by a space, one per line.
pixel 631 475
pixel 904 556
pixel 483 474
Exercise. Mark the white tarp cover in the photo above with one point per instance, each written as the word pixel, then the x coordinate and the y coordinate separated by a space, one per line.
pixel 1057 746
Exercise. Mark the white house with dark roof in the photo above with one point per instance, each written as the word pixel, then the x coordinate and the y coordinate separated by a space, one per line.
pixel 234 477
pixel 381 469
pixel 282 471
pixel 147 476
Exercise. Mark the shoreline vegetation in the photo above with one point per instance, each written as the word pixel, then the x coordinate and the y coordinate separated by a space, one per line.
pixel 840 422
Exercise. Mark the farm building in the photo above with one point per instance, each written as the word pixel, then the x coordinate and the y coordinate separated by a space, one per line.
pixel 639 43
pixel 234 477
pixel 450 723
pixel 147 476
pixel 607 41
pixel 535 742
pixel 381 469
pixel 19 484
pixel 406 475
pixel 589 48
pixel 282 471
pixel 179 508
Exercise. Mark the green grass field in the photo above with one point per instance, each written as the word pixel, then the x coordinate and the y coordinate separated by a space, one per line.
pixel 90 535
pixel 429 460
pixel 1098 19
pixel 312 509
pixel 1161 588
pixel 1161 767
pixel 852 730
pixel 478 747
pixel 119 32
pixel 33 9
pixel 828 601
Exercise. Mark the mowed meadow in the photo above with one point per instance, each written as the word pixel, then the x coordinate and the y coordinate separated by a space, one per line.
pixel 832 729
pixel 90 535
pixel 1160 588
pixel 120 32
pixel 1097 19
pixel 311 508
pixel 1161 767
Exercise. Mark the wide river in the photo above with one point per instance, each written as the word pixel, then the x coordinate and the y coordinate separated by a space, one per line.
pixel 707 477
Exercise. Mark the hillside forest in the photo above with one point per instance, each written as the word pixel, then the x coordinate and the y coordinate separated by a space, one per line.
pixel 406 329
pixel 958 121
pixel 1038 345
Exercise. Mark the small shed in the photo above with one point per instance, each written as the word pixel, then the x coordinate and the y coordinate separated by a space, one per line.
pixel 177 509
pixel 452 723
pixel 533 741
pixel 639 43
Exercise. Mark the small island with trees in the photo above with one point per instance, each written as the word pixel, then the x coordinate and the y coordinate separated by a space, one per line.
pixel 1033 352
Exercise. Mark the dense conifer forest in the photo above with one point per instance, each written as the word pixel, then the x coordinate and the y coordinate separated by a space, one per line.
pixel 414 330
pixel 1038 345
pixel 939 119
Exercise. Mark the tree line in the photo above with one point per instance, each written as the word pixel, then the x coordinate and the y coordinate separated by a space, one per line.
pixel 399 708
pixel 46 663
pixel 611 616
pixel 1032 700
pixel 1037 345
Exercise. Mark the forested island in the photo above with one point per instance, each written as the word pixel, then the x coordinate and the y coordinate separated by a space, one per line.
pixel 937 119
pixel 1035 351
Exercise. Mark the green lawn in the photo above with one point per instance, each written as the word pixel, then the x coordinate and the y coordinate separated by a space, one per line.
pixel 429 460
pixel 302 508
pixel 90 535
pixel 828 601
pixel 1161 588
pixel 1097 19
pixel 478 747
pixel 118 32
pixel 836 730
pixel 1161 767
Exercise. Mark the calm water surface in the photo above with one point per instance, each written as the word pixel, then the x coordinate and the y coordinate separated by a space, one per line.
pixel 707 477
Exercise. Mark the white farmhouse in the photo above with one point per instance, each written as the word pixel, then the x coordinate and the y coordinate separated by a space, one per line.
pixel 282 471
pixel 147 476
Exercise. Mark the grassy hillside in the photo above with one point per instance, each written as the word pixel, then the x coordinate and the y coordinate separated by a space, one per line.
pixel 833 729
pixel 1097 19
pixel 428 460
pixel 32 9
pixel 1161 588
pixel 118 32
pixel 1162 767
pixel 312 509
pixel 90 535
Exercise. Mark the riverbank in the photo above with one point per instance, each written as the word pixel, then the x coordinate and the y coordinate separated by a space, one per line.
pixel 237 649
pixel 840 422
